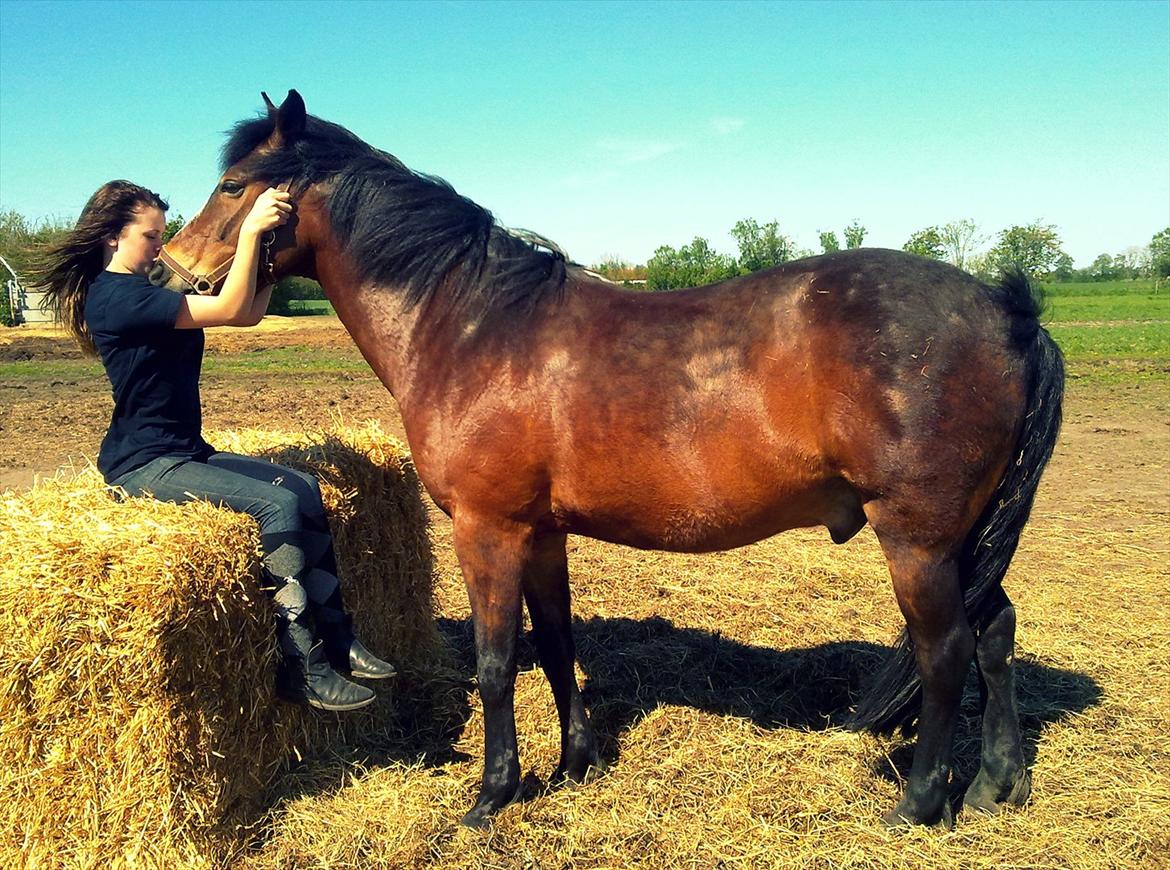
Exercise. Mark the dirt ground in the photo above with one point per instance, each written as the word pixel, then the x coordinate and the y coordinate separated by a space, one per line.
pixel 1114 447
pixel 48 424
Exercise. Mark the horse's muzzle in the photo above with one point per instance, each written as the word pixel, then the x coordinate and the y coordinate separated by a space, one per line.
pixel 162 275
pixel 159 274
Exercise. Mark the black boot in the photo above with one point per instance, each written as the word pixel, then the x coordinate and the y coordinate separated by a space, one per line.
pixel 346 653
pixel 305 675
pixel 367 666
pixel 313 681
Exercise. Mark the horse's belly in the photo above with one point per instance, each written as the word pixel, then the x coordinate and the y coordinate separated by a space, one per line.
pixel 718 465
pixel 653 521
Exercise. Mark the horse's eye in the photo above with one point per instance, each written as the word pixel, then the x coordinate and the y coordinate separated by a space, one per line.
pixel 231 188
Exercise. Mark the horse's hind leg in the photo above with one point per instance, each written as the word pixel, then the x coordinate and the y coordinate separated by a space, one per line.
pixel 1003 778
pixel 546 589
pixel 493 557
pixel 929 595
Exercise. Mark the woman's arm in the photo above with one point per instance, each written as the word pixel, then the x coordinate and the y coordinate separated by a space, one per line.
pixel 236 304
pixel 259 307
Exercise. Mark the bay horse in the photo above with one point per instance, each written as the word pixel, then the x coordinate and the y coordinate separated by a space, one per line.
pixel 540 400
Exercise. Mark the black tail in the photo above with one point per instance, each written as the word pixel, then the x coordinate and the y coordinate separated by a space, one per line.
pixel 895 697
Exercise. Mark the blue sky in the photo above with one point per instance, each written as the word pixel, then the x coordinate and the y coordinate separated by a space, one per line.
pixel 614 128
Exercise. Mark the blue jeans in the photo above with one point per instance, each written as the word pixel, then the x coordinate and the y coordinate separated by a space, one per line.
pixel 294 532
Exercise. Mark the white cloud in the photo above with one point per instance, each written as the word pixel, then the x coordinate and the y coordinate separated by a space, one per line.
pixel 578 180
pixel 726 126
pixel 616 153
pixel 627 151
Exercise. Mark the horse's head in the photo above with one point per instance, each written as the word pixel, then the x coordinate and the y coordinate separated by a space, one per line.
pixel 199 255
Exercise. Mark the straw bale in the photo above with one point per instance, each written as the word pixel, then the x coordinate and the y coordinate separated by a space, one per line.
pixel 380 529
pixel 137 720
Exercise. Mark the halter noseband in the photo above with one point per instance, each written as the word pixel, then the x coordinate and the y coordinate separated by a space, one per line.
pixel 204 285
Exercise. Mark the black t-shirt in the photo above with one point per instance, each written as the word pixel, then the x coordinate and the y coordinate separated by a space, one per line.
pixel 153 369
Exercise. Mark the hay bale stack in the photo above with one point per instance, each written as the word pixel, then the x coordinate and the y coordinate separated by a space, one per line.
pixel 137 719
pixel 380 529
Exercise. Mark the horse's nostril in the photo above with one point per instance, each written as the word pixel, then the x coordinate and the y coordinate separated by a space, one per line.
pixel 158 274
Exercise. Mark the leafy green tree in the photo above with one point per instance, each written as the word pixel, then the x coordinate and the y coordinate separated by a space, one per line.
pixel 16 249
pixel 610 265
pixel 1160 254
pixel 289 294
pixel 15 240
pixel 20 238
pixel 1134 261
pixel 173 226
pixel 616 269
pixel 982 267
pixel 1063 270
pixel 829 242
pixel 960 239
pixel 854 235
pixel 1101 269
pixel 1035 249
pixel 690 266
pixel 760 247
pixel 926 243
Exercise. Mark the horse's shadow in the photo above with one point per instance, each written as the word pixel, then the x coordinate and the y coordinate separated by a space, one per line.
pixel 634 666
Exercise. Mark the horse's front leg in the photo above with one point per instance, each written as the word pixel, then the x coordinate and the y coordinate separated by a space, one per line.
pixel 493 555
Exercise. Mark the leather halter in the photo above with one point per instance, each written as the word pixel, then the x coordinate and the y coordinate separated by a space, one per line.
pixel 204 285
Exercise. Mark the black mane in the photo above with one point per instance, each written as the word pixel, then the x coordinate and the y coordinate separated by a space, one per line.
pixel 402 227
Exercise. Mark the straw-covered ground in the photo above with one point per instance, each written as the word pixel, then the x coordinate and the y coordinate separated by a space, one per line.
pixel 718 683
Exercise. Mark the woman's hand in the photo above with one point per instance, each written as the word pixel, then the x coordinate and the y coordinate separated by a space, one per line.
pixel 238 304
pixel 271 210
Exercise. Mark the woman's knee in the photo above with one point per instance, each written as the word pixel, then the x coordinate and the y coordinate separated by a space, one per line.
pixel 306 488
pixel 279 511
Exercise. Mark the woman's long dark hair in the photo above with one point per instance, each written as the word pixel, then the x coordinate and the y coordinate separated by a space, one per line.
pixel 65 268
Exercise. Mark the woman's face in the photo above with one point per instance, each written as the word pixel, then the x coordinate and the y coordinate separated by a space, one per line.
pixel 137 246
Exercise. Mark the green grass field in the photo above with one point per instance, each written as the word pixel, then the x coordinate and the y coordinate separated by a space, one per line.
pixel 1112 332
pixel 310 306
pixel 1143 307
pixel 1137 287
pixel 291 359
pixel 1107 301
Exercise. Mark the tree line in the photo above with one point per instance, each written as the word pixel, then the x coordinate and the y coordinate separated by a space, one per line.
pixel 1036 248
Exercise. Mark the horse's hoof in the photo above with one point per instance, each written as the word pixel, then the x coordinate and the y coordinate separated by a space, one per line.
pixel 479 817
pixel 901 819
pixel 594 771
pixel 981 797
pixel 578 774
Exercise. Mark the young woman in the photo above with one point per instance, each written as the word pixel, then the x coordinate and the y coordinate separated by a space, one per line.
pixel 150 341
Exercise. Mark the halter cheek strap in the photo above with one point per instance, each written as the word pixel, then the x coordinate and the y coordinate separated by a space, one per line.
pixel 204 285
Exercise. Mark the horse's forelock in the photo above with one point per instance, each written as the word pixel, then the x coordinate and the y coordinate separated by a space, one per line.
pixel 244 138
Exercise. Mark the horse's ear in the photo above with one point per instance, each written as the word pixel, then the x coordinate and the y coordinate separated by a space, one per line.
pixel 290 119
pixel 271 106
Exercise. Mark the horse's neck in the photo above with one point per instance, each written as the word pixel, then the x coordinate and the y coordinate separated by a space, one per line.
pixel 377 318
